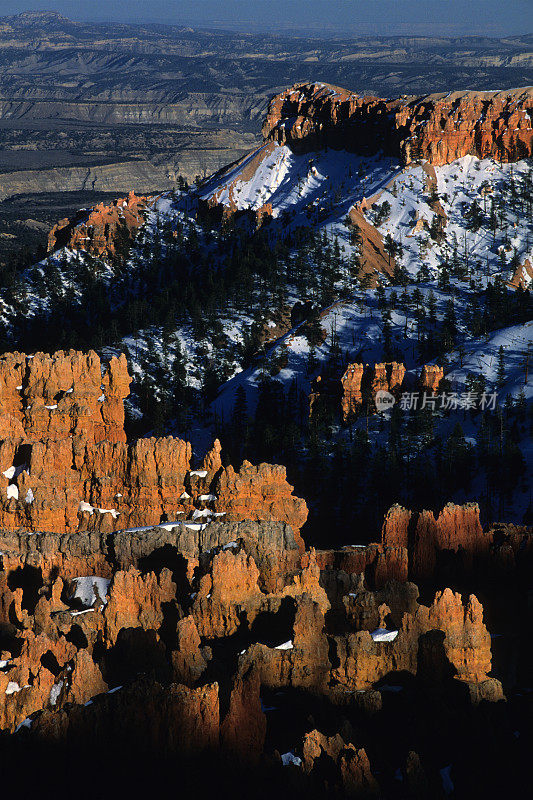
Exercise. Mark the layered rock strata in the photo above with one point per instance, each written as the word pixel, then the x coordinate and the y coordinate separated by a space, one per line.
pixel 438 128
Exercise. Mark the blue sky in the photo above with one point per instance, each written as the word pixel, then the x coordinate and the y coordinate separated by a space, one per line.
pixel 419 17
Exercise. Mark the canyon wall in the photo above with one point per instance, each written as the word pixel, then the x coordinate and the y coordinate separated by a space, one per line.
pixel 438 128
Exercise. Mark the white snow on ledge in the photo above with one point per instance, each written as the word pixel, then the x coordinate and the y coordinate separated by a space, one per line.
pixel 285 646
pixel 83 506
pixel 201 473
pixel 194 526
pixel 114 513
pixel 13 491
pixel 55 691
pixel 383 635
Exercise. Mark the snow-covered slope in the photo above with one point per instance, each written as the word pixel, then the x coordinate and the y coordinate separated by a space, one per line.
pixel 317 188
pixel 214 302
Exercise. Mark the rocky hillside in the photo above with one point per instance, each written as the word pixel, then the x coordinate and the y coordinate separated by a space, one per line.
pixel 89 109
pixel 267 288
pixel 265 503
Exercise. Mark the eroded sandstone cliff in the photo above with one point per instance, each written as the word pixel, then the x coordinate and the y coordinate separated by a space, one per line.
pixel 438 128
pixel 102 230
pixel 66 466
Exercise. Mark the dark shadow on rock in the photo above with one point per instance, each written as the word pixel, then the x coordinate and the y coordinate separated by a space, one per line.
pixel 136 652
pixel 30 580
pixel 273 628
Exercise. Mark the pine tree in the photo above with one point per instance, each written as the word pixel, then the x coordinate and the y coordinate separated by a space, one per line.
pixel 239 417
pixel 500 373
pixel 432 308
pixel 381 295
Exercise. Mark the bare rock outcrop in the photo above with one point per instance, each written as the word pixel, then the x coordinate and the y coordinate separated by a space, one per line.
pixel 438 128
pixel 353 776
pixel 463 652
pixel 102 231
pixel 431 377
pixel 66 466
pixel 455 528
pixel 259 493
pixel 352 396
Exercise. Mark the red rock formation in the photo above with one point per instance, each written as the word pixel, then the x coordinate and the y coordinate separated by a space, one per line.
pixel 464 651
pixel 387 377
pixel 259 493
pixel 165 720
pixel 439 128
pixel 374 260
pixel 302 661
pixel 67 467
pixel 395 531
pixel 103 230
pixel 30 683
pixel 243 729
pixel 456 527
pixel 309 116
pixel 467 642
pixel 380 562
pixel 353 777
pixel 411 544
pixel 212 461
pixel 307 581
pixel 390 564
pixel 137 600
pixel 59 658
pixel 188 663
pixel 523 276
pixel 351 390
pixel 228 590
pixel 63 395
pixel 395 374
pixel 431 377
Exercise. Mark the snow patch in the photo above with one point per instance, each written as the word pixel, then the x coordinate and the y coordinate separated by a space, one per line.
pixel 383 635
pixel 290 758
pixel 85 591
pixel 55 691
